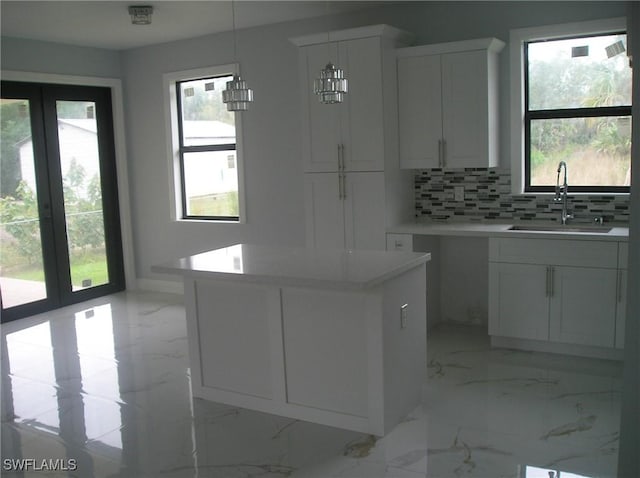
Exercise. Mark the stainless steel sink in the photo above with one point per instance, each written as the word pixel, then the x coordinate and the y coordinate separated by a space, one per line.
pixel 560 228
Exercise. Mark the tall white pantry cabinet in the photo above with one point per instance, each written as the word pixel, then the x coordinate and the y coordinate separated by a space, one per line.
pixel 354 187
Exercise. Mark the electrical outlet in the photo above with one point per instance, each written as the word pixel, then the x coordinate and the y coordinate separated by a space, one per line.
pixel 403 315
pixel 458 193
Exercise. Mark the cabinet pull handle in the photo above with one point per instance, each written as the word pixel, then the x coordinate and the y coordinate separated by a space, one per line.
pixel 339 186
pixel 344 186
pixel 440 164
pixel 341 165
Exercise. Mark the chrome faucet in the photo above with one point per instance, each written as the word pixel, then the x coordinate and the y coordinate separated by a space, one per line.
pixel 561 193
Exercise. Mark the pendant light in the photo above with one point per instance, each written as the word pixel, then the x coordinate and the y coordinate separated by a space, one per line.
pixel 331 86
pixel 236 96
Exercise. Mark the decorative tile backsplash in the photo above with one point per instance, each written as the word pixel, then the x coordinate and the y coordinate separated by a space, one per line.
pixel 487 196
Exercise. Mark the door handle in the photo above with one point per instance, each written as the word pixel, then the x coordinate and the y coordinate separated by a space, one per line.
pixel 46 211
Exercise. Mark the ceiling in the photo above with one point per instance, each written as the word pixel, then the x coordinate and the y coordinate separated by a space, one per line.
pixel 106 24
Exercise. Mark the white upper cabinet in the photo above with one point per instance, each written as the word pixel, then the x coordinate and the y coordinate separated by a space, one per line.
pixel 349 136
pixel 448 104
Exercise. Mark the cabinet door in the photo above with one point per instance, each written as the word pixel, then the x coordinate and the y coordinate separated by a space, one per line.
pixel 583 306
pixel 324 211
pixel 321 123
pixel 420 111
pixel 621 309
pixel 465 112
pixel 518 302
pixel 325 344
pixel 362 110
pixel 364 206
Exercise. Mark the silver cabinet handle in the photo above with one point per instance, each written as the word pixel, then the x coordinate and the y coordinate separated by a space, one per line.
pixel 341 163
pixel 344 186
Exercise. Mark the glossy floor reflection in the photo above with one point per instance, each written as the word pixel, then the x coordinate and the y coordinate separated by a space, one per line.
pixel 102 389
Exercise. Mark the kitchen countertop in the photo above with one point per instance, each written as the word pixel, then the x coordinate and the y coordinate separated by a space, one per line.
pixel 490 229
pixel 298 267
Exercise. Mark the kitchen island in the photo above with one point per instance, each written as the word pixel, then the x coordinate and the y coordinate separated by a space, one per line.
pixel 334 337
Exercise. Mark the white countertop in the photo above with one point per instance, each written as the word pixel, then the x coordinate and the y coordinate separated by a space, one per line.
pixel 299 267
pixel 485 229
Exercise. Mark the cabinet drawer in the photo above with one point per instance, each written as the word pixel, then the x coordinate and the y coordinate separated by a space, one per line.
pixel 554 251
pixel 623 255
pixel 399 242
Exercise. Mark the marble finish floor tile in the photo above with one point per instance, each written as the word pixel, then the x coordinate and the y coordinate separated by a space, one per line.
pixel 102 389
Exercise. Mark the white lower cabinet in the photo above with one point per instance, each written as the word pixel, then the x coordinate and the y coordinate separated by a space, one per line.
pixel 518 301
pixel 345 210
pixel 558 291
pixel 352 358
pixel 583 306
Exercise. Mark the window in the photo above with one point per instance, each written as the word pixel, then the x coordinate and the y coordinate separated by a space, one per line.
pixel 206 166
pixel 575 92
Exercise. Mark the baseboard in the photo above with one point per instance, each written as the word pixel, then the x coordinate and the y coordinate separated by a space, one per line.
pixel 153 285
pixel 557 348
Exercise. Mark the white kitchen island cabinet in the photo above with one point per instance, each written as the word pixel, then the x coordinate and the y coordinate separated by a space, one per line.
pixel 334 337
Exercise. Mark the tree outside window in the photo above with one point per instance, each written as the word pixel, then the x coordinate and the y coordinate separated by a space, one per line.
pixel 578 110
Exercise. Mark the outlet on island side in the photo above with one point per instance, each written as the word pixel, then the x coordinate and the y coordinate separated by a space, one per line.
pixel 404 312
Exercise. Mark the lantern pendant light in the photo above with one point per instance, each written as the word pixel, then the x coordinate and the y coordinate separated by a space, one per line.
pixel 237 95
pixel 331 86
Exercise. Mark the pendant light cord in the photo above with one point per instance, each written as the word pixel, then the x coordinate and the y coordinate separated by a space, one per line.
pixel 326 7
pixel 235 36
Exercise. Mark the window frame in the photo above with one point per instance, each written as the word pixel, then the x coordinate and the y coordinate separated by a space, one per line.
pixel 521 116
pixel 171 84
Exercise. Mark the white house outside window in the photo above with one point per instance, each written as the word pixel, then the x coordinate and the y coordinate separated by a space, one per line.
pixel 571 101
pixel 206 163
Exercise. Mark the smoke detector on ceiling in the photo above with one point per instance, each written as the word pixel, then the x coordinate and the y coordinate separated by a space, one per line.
pixel 141 14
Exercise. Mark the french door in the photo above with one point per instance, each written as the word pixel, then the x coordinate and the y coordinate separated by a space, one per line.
pixel 60 237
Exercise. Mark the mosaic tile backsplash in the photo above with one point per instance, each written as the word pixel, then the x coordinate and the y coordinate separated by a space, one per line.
pixel 487 197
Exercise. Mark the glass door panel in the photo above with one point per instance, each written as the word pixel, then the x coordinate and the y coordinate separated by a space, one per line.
pixel 22 277
pixel 59 216
pixel 82 192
